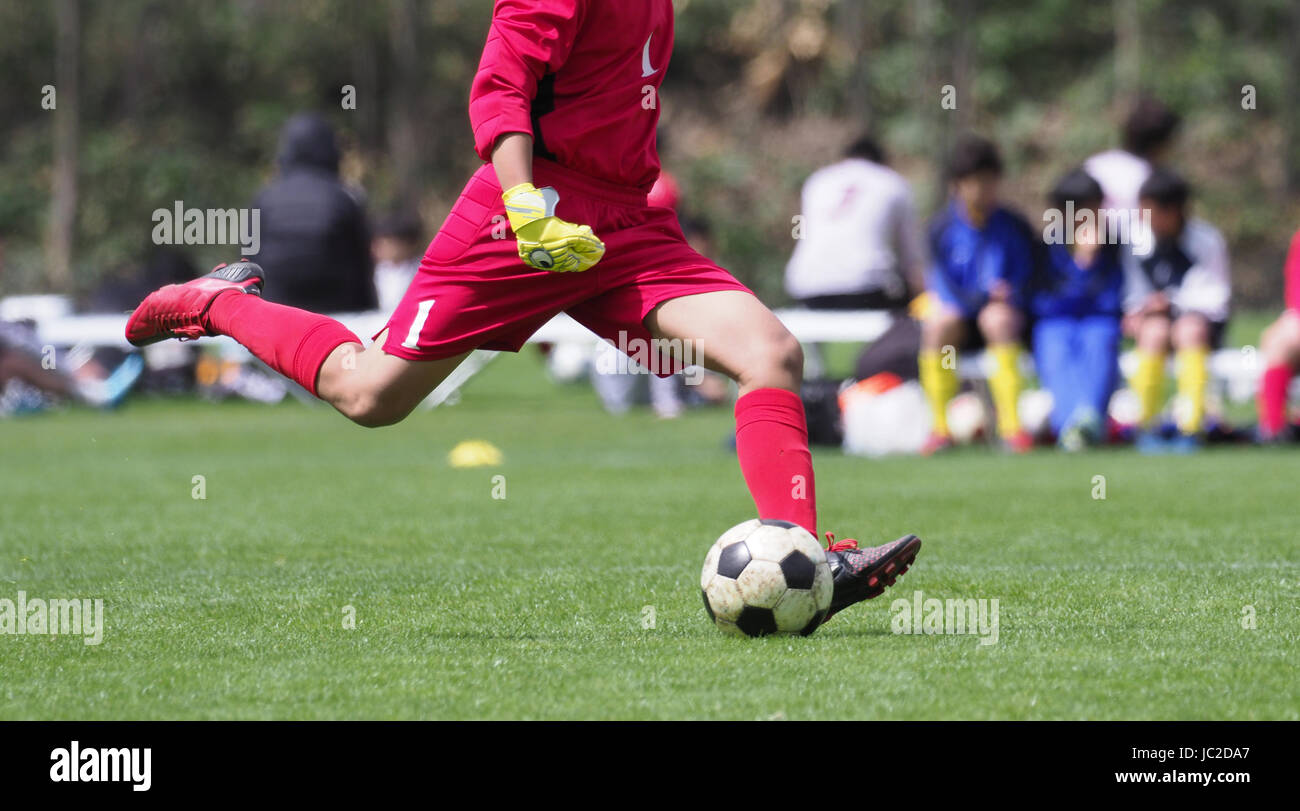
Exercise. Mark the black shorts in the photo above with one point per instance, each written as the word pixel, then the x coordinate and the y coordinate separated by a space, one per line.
pixel 972 339
pixel 1218 332
pixel 870 300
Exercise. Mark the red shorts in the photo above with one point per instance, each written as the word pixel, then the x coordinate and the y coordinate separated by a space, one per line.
pixel 474 292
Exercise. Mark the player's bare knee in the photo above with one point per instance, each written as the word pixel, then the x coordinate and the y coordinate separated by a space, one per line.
pixel 931 334
pixel 790 355
pixel 944 328
pixel 1153 334
pixel 778 363
pixel 999 322
pixel 1191 331
pixel 369 410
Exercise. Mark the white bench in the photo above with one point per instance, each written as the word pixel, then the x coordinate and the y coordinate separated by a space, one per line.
pixel 1234 369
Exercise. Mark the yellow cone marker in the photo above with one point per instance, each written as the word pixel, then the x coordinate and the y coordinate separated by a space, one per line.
pixel 474 453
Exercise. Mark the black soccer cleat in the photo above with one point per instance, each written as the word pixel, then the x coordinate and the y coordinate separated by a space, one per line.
pixel 246 274
pixel 861 574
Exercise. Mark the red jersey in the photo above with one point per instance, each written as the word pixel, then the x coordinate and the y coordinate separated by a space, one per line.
pixel 1293 274
pixel 582 77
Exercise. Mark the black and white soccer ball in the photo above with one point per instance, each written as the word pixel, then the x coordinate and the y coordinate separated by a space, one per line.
pixel 766 577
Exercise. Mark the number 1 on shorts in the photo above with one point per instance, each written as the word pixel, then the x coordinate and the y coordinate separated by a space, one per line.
pixel 417 326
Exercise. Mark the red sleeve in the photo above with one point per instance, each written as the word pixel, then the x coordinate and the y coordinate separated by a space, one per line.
pixel 1293 274
pixel 528 39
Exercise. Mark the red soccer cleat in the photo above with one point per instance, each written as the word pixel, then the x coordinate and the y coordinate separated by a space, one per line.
pixel 1019 442
pixel 936 443
pixel 178 310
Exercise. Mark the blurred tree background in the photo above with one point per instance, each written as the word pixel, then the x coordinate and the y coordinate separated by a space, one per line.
pixel 165 100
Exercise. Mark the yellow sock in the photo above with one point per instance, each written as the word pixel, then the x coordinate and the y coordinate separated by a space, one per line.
pixel 1149 385
pixel 1193 379
pixel 939 384
pixel 1005 384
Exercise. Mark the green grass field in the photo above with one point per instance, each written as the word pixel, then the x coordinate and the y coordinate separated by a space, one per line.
pixel 531 606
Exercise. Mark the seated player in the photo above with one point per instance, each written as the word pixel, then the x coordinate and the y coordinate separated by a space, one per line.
pixel 1280 350
pixel 556 101
pixel 861 247
pixel 313 229
pixel 1177 293
pixel 1147 136
pixel 27 362
pixel 981 257
pixel 1076 304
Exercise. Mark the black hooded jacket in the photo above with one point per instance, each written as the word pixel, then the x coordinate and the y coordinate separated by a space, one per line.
pixel 315 244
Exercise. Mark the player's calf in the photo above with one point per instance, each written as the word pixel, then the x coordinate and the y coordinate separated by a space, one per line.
pixel 1190 331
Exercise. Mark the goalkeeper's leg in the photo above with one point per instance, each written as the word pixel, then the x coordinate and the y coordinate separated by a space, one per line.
pixel 365 384
pixel 379 389
pixel 368 386
pixel 731 332
pixel 1279 348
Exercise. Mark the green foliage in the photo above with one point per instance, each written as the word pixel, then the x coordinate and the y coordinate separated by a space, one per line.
pixel 184 100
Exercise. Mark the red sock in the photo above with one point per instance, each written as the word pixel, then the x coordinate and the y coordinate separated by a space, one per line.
pixel 1272 399
pixel 772 443
pixel 293 342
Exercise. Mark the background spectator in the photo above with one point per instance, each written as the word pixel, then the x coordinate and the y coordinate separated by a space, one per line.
pixel 1146 135
pixel 1076 304
pixel 315 245
pixel 397 247
pixel 860 249
pixel 1177 294
pixel 981 258
pixel 860 246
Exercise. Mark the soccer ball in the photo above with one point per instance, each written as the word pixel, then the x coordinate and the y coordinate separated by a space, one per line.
pixel 766 577
pixel 966 417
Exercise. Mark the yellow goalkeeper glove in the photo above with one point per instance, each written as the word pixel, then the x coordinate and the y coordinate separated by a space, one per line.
pixel 545 241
